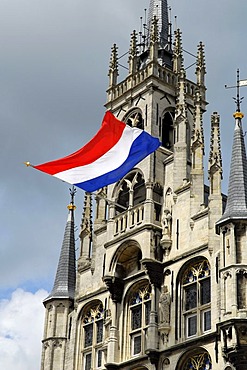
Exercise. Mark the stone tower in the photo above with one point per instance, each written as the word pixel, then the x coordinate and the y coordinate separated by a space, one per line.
pixel 161 273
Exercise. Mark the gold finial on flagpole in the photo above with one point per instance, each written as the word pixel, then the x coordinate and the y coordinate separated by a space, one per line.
pixel 28 164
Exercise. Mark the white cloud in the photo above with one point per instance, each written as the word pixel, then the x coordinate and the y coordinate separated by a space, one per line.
pixel 21 330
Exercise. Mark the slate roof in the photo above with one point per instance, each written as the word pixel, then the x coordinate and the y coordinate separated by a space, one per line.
pixel 236 206
pixel 64 285
pixel 159 8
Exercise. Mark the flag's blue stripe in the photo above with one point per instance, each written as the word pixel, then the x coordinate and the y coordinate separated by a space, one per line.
pixel 141 147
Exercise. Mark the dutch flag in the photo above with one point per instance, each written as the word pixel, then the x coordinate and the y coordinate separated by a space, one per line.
pixel 109 156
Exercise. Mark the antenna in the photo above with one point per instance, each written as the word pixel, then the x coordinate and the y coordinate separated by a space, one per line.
pixel 240 83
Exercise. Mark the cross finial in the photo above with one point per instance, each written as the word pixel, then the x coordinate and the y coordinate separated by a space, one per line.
pixel 240 83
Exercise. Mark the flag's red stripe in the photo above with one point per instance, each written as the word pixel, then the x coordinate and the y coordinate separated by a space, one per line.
pixel 108 135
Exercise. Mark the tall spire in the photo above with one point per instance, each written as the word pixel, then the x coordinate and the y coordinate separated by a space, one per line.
pixel 236 207
pixel 64 285
pixel 159 9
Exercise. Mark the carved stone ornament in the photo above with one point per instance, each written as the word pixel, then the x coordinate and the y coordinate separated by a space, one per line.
pixel 115 286
pixel 154 270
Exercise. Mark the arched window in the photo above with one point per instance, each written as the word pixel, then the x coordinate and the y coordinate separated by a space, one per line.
pixel 134 118
pixel 198 359
pixel 132 192
pixel 92 337
pixel 167 134
pixel 196 298
pixel 139 307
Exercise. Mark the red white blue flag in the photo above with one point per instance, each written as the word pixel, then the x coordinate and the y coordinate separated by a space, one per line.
pixel 109 156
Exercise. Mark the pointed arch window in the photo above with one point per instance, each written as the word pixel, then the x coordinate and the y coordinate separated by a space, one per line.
pixel 132 192
pixel 139 312
pixel 196 293
pixel 92 337
pixel 199 359
pixel 134 118
pixel 167 132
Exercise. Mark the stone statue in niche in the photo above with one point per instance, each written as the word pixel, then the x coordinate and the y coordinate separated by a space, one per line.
pixel 166 220
pixel 164 303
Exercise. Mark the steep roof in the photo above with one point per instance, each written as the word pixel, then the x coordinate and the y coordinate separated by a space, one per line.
pixel 236 207
pixel 64 285
pixel 159 9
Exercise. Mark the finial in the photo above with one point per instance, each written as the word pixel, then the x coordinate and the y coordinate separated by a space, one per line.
pixel 238 100
pixel 72 191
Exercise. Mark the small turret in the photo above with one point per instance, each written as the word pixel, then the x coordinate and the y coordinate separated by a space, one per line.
pixel 236 206
pixel 60 303
pixel 64 285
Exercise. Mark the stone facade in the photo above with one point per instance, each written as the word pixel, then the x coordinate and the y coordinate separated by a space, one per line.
pixel 158 287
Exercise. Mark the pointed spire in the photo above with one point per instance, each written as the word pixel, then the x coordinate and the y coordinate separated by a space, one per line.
pixel 64 285
pixel 154 46
pixel 236 207
pixel 133 53
pixel 178 60
pixel 200 65
pixel 86 227
pixel 197 129
pixel 215 159
pixel 113 68
pixel 159 9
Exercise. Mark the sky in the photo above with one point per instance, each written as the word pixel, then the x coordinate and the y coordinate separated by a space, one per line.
pixel 53 77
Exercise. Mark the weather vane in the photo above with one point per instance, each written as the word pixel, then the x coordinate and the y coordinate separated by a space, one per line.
pixel 72 193
pixel 240 83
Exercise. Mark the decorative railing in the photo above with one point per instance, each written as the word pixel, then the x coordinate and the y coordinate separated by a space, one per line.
pixel 129 219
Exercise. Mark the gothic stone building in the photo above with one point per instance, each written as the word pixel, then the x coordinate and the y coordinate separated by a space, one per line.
pixel 161 277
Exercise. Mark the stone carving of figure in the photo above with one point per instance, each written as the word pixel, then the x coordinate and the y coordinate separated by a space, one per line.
pixel 164 302
pixel 166 223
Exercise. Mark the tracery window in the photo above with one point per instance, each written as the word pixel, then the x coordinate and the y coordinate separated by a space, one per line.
pixel 134 118
pixel 92 337
pixel 196 289
pixel 197 361
pixel 132 192
pixel 139 311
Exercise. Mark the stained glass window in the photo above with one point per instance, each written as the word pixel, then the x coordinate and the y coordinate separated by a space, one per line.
pixel 201 361
pixel 196 298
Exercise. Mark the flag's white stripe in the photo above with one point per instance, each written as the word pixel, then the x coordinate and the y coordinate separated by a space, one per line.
pixel 111 160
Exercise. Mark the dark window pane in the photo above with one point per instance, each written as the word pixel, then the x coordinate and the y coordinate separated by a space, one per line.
pixel 190 297
pixel 99 331
pixel 136 317
pixel 137 345
pixel 88 361
pixel 205 291
pixel 147 312
pixel 207 320
pixel 99 362
pixel 192 324
pixel 88 332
